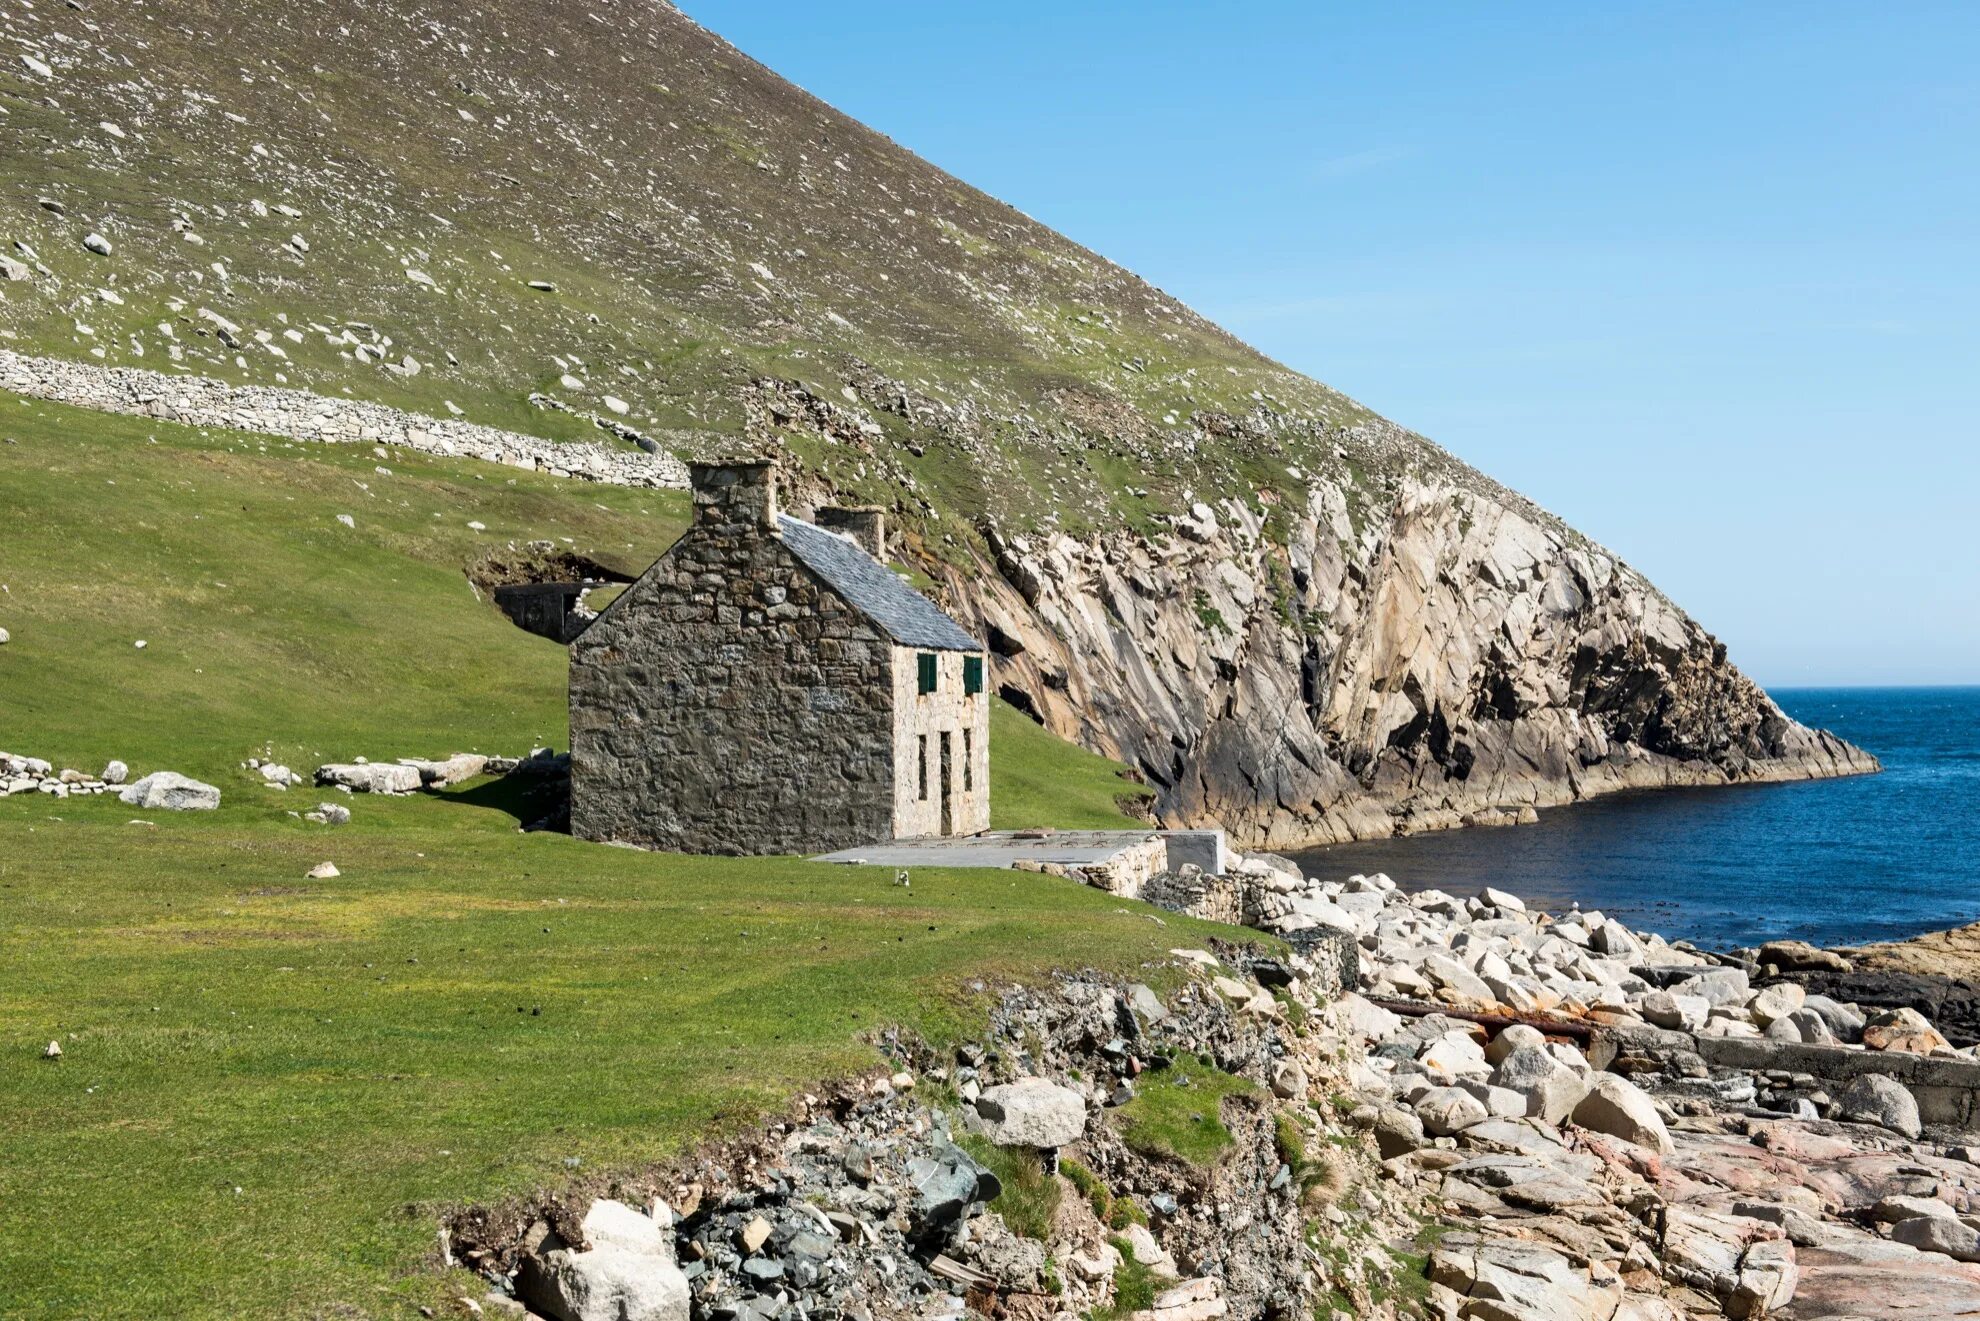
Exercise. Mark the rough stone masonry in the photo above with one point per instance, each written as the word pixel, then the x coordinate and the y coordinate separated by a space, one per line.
pixel 770 687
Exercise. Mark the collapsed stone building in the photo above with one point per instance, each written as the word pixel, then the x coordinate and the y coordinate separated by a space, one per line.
pixel 769 685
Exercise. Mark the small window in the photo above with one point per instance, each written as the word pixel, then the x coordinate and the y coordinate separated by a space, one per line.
pixel 972 675
pixel 925 675
pixel 969 757
pixel 922 744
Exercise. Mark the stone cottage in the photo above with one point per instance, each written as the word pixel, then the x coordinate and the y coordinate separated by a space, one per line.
pixel 771 686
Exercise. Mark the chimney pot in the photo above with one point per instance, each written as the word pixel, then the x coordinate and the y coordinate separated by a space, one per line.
pixel 735 495
pixel 865 524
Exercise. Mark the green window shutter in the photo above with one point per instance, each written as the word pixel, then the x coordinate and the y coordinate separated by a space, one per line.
pixel 925 672
pixel 972 675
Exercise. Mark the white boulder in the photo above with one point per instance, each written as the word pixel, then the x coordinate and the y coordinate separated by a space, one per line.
pixel 1549 1089
pixel 1511 1038
pixel 1776 1001
pixel 1367 1020
pixel 1959 1241
pixel 171 792
pixel 1031 1112
pixel 1616 1106
pixel 1875 1099
pixel 1448 1110
pixel 626 1274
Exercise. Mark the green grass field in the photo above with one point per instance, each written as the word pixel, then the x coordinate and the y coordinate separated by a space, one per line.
pixel 272 1087
pixel 269 626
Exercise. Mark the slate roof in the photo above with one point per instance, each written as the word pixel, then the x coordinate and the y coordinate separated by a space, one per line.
pixel 873 589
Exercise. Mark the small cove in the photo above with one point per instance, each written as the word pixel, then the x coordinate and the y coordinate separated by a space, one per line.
pixel 1879 857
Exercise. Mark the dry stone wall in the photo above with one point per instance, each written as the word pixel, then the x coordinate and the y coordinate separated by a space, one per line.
pixel 206 402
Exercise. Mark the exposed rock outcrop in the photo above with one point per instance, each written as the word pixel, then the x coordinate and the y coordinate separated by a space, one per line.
pixel 1299 680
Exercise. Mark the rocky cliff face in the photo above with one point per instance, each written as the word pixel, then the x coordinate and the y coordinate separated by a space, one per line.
pixel 1294 617
pixel 1346 656
pixel 1299 679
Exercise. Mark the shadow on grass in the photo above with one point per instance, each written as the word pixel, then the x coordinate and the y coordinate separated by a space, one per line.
pixel 535 802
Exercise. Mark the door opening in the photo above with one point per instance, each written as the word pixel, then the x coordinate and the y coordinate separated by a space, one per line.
pixel 948 807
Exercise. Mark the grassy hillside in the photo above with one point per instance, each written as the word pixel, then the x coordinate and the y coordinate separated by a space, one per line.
pixel 262 1072
pixel 269 626
pixel 614 203
pixel 271 1086
pixel 1038 778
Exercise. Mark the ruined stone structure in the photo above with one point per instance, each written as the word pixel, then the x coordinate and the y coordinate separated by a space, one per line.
pixel 771 686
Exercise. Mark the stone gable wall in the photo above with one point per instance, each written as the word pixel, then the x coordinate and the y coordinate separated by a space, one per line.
pixel 728 702
pixel 916 716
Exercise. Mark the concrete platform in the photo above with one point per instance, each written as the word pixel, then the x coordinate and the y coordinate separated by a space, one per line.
pixel 997 848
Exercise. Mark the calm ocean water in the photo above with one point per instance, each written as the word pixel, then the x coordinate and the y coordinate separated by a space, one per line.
pixel 1836 861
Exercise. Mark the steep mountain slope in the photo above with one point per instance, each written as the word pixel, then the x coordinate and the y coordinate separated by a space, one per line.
pixel 1294 617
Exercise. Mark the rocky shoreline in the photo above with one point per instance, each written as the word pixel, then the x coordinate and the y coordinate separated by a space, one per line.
pixel 1937 974
pixel 1426 1106
pixel 1951 953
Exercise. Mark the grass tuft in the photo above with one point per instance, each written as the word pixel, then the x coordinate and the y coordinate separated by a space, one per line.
pixel 1088 1185
pixel 1177 1111
pixel 1030 1196
pixel 1134 1286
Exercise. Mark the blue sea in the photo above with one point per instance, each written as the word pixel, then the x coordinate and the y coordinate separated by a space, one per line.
pixel 1836 862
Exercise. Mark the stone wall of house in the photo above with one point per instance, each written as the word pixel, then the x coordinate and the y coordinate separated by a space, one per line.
pixel 727 647
pixel 919 722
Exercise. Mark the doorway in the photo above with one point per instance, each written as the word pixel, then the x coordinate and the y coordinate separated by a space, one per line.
pixel 948 808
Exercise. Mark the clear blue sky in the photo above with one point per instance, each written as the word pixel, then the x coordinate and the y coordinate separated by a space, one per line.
pixel 1704 279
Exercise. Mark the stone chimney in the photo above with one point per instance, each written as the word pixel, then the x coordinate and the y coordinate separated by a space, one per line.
pixel 736 497
pixel 865 524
